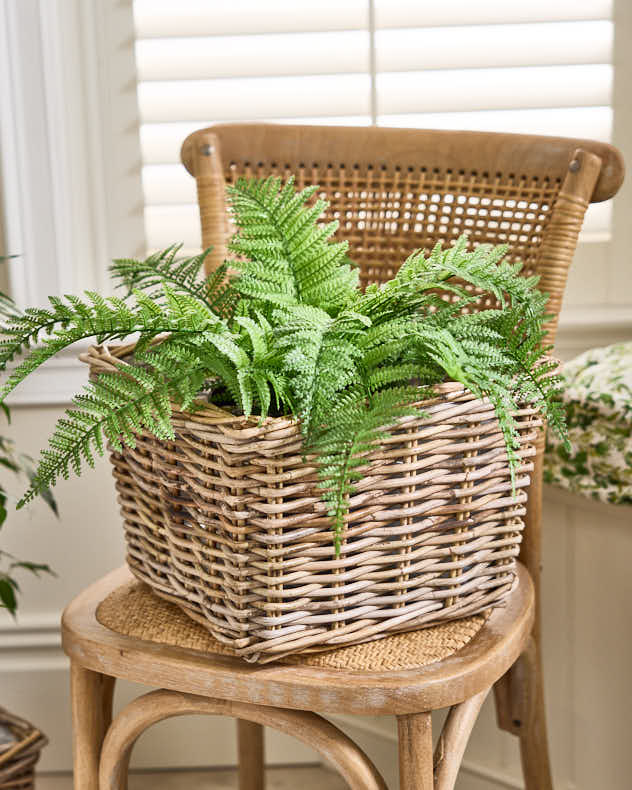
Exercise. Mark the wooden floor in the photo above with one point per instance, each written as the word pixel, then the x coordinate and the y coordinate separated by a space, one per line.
pixel 305 777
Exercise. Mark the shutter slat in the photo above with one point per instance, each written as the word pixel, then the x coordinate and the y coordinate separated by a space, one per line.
pixel 160 18
pixel 494 89
pixel 413 13
pixel 551 44
pixel 247 99
pixel 396 50
pixel 589 122
pixel 245 56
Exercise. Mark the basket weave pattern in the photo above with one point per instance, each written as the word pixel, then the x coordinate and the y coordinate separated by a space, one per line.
pixel 18 758
pixel 227 521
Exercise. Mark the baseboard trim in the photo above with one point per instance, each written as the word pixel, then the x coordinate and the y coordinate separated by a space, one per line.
pixel 31 632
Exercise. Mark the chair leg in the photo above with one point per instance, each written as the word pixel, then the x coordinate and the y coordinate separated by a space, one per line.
pixel 520 711
pixel 534 747
pixel 415 751
pixel 250 755
pixel 91 699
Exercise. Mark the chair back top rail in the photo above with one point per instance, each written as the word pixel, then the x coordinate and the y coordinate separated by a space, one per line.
pixel 490 155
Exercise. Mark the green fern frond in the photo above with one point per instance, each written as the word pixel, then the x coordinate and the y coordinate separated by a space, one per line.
pixel 356 424
pixel 104 319
pixel 179 273
pixel 320 358
pixel 486 268
pixel 285 257
pixel 115 407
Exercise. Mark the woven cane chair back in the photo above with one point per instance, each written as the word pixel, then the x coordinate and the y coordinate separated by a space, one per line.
pixel 397 190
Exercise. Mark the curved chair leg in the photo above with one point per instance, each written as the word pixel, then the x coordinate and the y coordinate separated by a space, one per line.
pixel 328 740
pixel 91 697
pixel 520 710
pixel 453 740
pixel 251 760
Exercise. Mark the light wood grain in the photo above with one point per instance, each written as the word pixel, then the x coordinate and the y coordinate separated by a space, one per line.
pixel 91 715
pixel 368 147
pixel 250 751
pixel 453 740
pixel 479 664
pixel 415 751
pixel 324 737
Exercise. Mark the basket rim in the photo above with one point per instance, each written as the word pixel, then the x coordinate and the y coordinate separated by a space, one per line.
pixel 108 358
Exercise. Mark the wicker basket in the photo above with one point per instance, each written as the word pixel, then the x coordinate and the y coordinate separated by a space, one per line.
pixel 19 756
pixel 227 522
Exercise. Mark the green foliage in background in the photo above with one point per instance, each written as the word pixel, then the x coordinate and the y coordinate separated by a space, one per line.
pixel 22 466
pixel 290 331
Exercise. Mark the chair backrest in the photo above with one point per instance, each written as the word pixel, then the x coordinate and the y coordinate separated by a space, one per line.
pixel 397 190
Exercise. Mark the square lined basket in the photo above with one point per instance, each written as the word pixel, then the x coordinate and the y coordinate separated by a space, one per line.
pixel 227 521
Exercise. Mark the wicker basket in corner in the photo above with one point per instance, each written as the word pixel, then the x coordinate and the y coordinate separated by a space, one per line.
pixel 19 757
pixel 227 522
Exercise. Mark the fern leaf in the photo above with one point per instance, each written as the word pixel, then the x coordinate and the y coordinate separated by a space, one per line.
pixel 115 407
pixel 179 273
pixel 356 423
pixel 105 319
pixel 285 258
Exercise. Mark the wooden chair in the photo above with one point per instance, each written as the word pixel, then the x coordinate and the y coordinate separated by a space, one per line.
pixel 393 191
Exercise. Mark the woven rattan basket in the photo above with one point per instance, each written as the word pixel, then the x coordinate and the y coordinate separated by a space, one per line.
pixel 20 753
pixel 227 521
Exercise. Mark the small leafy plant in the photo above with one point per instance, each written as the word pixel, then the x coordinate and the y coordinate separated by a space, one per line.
pixel 283 327
pixel 22 466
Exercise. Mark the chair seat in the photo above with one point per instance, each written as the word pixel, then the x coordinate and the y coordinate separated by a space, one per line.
pixel 163 648
pixel 134 610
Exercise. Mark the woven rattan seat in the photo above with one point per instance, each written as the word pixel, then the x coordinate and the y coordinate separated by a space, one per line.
pixel 165 648
pixel 134 610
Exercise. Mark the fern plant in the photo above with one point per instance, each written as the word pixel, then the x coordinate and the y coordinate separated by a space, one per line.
pixel 283 327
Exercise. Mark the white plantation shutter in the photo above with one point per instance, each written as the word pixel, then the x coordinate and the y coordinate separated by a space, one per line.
pixel 542 67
